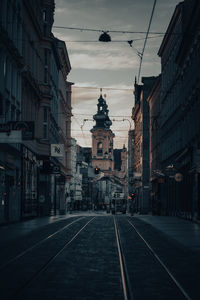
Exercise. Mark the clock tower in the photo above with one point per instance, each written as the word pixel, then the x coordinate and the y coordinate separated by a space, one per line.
pixel 102 139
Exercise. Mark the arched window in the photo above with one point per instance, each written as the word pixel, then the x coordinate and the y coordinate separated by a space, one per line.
pixel 100 149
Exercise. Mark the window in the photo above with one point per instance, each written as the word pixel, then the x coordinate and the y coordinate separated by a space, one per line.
pixel 44 15
pixel 5 68
pixel 45 74
pixel 1 104
pixel 99 149
pixel 45 65
pixel 13 113
pixel 46 56
pixel 45 123
pixel 45 30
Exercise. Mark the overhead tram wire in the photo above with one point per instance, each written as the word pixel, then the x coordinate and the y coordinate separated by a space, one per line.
pixel 85 114
pixel 116 41
pixel 112 31
pixel 145 41
pixel 104 88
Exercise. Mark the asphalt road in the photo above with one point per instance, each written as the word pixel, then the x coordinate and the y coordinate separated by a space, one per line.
pixel 78 258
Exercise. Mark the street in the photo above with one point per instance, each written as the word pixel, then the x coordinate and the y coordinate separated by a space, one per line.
pixel 96 256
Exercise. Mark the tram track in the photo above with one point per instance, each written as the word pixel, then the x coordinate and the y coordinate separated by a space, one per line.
pixel 25 281
pixel 162 264
pixel 126 286
pixel 115 258
pixel 136 254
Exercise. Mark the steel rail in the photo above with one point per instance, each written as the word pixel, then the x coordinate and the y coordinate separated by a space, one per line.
pixel 124 273
pixel 184 293
pixel 50 260
pixel 37 244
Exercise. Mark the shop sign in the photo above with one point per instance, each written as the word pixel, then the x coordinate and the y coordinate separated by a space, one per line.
pixel 57 150
pixel 11 137
pixel 5 127
pixel 48 167
pixel 25 127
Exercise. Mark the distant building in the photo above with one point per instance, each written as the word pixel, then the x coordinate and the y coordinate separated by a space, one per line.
pixel 131 135
pixel 75 199
pixel 64 125
pixel 140 115
pixel 156 174
pixel 120 168
pixel 111 163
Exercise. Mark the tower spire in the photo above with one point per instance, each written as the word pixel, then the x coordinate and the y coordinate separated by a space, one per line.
pixel 101 117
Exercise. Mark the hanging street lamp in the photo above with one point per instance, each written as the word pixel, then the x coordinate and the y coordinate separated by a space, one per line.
pixel 105 37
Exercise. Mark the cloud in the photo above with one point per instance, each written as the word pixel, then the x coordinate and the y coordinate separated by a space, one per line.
pixel 104 61
pixel 113 64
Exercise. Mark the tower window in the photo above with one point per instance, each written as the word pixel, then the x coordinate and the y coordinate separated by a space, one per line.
pixel 99 149
pixel 45 123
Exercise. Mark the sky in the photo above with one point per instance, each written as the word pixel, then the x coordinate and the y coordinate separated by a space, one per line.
pixel 111 66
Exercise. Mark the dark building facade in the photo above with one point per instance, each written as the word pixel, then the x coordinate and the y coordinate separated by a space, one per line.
pixel 30 94
pixel 180 107
pixel 156 175
pixel 11 67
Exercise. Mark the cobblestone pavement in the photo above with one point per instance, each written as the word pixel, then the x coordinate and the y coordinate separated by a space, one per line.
pixel 76 257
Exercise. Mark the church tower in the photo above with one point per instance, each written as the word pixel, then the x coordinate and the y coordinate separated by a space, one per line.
pixel 102 139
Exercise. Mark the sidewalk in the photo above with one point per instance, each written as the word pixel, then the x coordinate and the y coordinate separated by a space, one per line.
pixel 14 230
pixel 185 232
pixel 19 229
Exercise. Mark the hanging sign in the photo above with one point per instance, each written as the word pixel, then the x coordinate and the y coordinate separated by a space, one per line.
pixel 57 150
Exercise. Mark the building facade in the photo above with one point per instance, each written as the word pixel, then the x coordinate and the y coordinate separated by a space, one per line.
pixel 156 174
pixel 75 199
pixel 11 67
pixel 180 111
pixel 140 115
pixel 31 61
pixel 131 135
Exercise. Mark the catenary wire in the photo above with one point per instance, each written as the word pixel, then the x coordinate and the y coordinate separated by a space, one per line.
pixel 145 41
pixel 112 31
